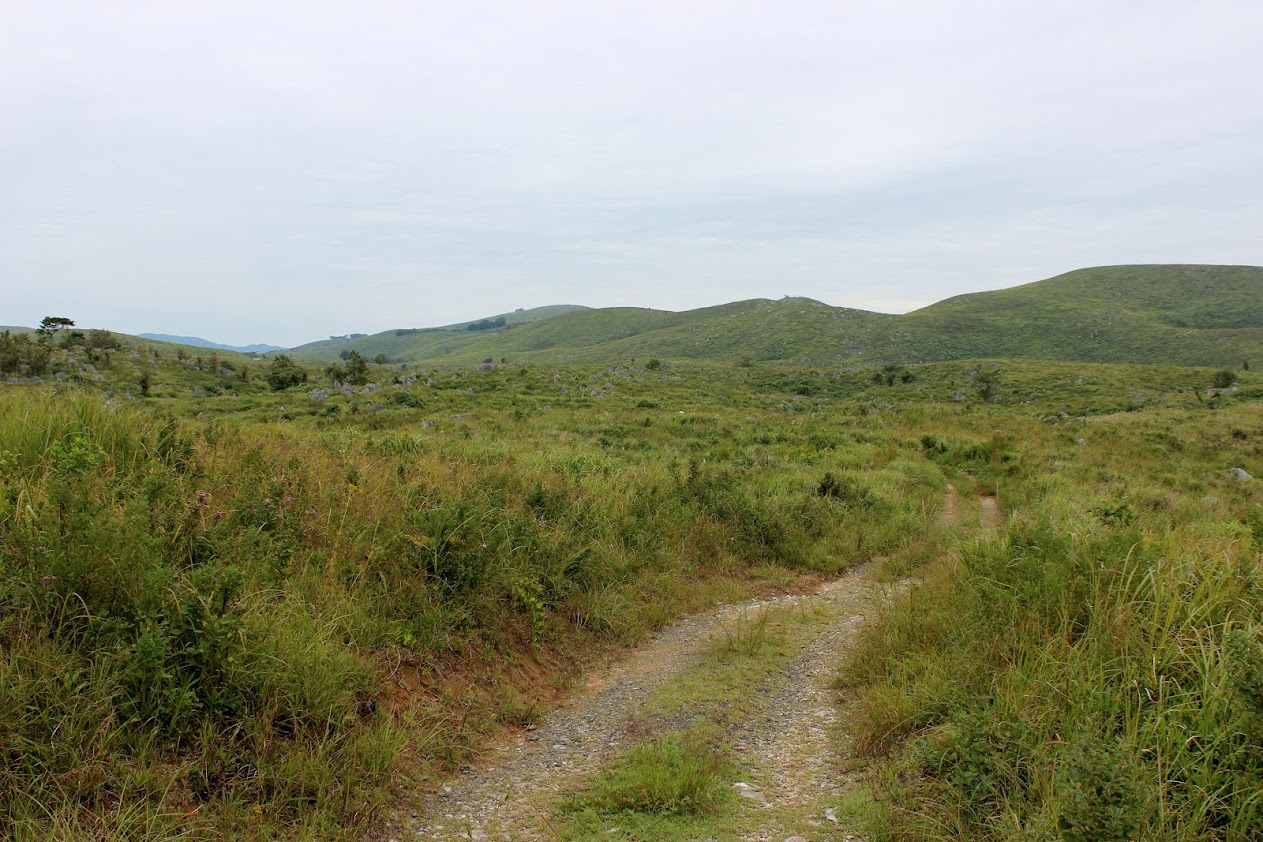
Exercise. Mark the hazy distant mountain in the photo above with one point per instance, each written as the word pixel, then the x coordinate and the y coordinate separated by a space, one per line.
pixel 206 343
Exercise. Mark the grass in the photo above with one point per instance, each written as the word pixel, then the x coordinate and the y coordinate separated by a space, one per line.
pixel 1088 671
pixel 229 612
pixel 677 774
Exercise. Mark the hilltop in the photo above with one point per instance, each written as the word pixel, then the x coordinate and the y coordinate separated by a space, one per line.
pixel 1178 314
pixel 1183 314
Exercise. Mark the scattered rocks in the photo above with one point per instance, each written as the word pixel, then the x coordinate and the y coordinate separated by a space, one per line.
pixel 1240 473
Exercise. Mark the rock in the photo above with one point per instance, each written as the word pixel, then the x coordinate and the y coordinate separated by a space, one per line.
pixel 795 839
pixel 831 814
pixel 1239 473
pixel 1081 442
pixel 742 785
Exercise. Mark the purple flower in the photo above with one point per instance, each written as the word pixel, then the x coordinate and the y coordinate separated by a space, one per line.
pixel 287 501
pixel 267 502
pixel 220 515
pixel 47 581
pixel 202 497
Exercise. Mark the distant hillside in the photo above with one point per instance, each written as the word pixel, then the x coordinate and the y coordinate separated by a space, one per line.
pixel 408 343
pixel 198 342
pixel 16 329
pixel 1186 315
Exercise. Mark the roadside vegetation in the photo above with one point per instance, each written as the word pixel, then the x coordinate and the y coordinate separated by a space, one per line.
pixel 1093 669
pixel 249 599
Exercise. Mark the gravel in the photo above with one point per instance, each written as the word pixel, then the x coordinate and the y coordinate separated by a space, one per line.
pixel 788 746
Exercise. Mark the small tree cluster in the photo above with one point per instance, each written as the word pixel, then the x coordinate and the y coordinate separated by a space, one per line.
pixel 284 373
pixel 890 372
pixel 20 355
pixel 486 324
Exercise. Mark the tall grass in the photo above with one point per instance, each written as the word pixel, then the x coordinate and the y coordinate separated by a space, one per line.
pixel 1091 671
pixel 202 621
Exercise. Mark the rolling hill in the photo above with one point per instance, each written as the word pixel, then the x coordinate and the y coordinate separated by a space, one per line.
pixel 1181 314
pixel 198 342
pixel 1184 314
pixel 401 341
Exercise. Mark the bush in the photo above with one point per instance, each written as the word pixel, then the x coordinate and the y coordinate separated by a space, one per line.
pixel 284 373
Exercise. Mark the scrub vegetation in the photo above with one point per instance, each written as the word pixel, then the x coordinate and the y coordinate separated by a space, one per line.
pixel 1092 669
pixel 243 599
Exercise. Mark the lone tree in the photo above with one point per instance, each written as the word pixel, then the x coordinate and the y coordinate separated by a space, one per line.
pixel 985 382
pixel 49 325
pixel 356 368
pixel 284 373
pixel 1223 378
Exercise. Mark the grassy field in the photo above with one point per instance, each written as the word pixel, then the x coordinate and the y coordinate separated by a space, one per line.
pixel 1093 669
pixel 231 611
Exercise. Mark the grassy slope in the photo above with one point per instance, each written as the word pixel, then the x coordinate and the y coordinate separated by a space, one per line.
pixel 409 343
pixel 1185 315
pixel 1188 315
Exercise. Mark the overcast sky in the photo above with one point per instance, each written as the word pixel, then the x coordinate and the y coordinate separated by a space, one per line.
pixel 282 170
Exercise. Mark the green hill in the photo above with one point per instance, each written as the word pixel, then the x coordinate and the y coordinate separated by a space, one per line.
pixel 1190 315
pixel 1187 315
pixel 400 343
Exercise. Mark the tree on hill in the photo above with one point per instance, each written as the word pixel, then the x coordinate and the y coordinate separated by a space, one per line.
pixel 356 368
pixel 985 381
pixel 49 325
pixel 284 373
pixel 891 372
pixel 1224 378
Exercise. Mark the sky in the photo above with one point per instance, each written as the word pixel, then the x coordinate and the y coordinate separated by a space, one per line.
pixel 284 170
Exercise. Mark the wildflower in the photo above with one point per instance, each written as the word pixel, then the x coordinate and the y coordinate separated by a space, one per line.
pixel 311 512
pixel 267 502
pixel 202 497
pixel 47 581
pixel 220 515
pixel 287 501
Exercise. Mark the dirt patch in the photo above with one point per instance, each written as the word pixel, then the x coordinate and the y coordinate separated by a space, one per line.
pixel 989 511
pixel 505 794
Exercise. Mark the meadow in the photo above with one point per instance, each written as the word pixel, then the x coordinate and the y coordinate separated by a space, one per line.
pixel 229 611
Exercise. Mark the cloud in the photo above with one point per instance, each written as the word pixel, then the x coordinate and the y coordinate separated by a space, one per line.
pixel 305 168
